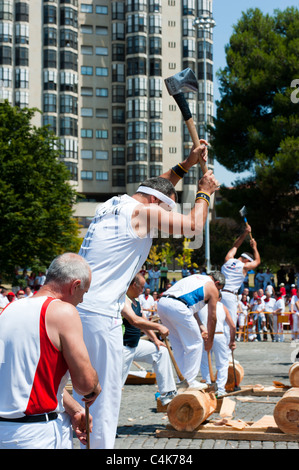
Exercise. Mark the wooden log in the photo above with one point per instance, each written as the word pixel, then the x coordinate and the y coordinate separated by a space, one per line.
pixel 294 374
pixel 230 384
pixel 135 379
pixel 286 412
pixel 189 409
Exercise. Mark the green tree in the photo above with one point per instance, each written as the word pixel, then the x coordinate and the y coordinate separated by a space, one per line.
pixel 35 198
pixel 257 127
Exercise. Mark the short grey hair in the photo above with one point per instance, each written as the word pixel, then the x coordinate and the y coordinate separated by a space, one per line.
pixel 68 267
pixel 218 277
pixel 161 184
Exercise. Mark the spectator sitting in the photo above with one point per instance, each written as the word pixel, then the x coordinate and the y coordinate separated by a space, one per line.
pixel 20 294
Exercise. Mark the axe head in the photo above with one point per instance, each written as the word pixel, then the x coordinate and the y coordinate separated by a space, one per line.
pixel 243 211
pixel 184 81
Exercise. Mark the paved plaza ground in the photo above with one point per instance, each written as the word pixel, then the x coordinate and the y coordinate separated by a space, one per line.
pixel 263 362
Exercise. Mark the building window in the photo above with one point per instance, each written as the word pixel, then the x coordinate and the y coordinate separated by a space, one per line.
pixel 118 94
pixel 136 66
pixel 118 135
pixel 86 8
pixel 86 91
pixel 68 104
pixel 68 38
pixel 102 71
pixel 102 155
pixel 156 152
pixel 68 60
pixel 86 154
pixel 118 72
pixel 156 131
pixel 101 134
pixel 155 170
pixel 137 152
pixel 68 81
pixel 118 177
pixel 6 77
pixel 101 10
pixel 118 11
pixel 50 80
pixel 50 100
pixel 22 12
pixel 190 177
pixel 137 86
pixel 102 92
pixel 86 175
pixel 137 108
pixel 6 32
pixel 86 112
pixel 118 156
pixel 50 14
pixel 102 175
pixel 86 50
pixel 86 70
pixel 70 148
pixel 136 173
pixel 50 122
pixel 155 24
pixel 118 32
pixel 68 16
pixel 6 55
pixel 22 99
pixel 73 169
pixel 68 126
pixel 86 133
pixel 22 33
pixel 137 130
pixel 102 113
pixel 118 115
pixel 50 59
pixel 136 23
pixel 155 87
pixel 50 36
pixel 86 29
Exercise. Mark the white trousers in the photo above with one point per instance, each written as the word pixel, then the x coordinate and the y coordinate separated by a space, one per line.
pixel 231 303
pixel 184 336
pixel 103 338
pixel 45 435
pixel 147 352
pixel 221 353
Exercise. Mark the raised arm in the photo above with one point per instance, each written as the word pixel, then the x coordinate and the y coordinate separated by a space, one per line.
pixel 232 252
pixel 194 158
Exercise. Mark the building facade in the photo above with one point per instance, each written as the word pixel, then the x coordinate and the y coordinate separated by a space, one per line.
pixel 96 70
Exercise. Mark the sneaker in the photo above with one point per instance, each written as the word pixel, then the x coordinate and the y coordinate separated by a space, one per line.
pixel 198 385
pixel 167 397
pixel 265 328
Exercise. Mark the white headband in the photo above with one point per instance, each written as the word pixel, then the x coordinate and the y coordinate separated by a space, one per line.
pixel 246 256
pixel 157 194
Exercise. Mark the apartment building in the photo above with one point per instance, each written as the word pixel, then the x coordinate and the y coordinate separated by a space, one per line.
pixel 96 69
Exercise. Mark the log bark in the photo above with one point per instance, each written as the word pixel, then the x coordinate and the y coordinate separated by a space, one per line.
pixel 230 384
pixel 191 408
pixel 294 374
pixel 286 412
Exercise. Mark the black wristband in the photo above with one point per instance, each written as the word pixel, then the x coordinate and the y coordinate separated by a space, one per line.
pixel 179 170
pixel 90 395
pixel 204 196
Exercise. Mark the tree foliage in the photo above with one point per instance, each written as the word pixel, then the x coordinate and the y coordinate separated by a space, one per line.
pixel 257 128
pixel 35 198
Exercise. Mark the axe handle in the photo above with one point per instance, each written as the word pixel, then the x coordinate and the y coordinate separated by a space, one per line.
pixel 245 220
pixel 186 113
pixel 87 425
pixel 195 139
pixel 180 376
pixel 211 368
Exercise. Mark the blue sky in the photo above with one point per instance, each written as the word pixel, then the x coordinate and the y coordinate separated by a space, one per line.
pixel 226 13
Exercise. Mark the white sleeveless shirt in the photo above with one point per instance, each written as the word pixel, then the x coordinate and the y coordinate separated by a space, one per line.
pixel 115 254
pixel 220 314
pixel 234 276
pixel 191 290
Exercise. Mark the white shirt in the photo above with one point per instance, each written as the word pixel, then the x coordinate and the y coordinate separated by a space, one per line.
pixel 294 299
pixel 191 290
pixel 220 314
pixel 279 304
pixel 269 306
pixel 234 276
pixel 146 302
pixel 115 254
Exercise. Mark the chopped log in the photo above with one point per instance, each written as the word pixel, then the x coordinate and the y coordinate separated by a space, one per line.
pixel 189 409
pixel 286 412
pixel 230 384
pixel 294 374
pixel 139 378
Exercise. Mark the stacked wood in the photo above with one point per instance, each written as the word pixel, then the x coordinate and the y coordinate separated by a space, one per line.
pixel 189 409
pixel 286 412
pixel 230 384
pixel 294 374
